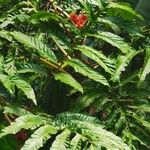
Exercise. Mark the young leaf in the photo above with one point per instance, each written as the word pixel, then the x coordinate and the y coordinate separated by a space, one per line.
pixel 68 79
pixel 86 71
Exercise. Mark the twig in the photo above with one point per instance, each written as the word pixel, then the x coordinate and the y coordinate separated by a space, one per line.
pixel 7 118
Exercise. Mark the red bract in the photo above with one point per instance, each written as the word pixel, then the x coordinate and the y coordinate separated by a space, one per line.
pixel 78 20
pixel 21 136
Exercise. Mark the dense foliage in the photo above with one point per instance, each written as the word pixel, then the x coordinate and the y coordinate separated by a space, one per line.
pixel 74 75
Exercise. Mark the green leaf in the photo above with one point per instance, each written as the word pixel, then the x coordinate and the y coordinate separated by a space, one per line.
pixel 96 2
pixel 25 87
pixel 102 138
pixel 127 26
pixel 22 17
pixel 12 109
pixel 113 39
pixel 8 143
pixel 86 71
pixel 63 45
pixel 124 10
pixel 44 16
pixel 85 101
pixel 95 134
pixel 64 117
pixel 143 122
pixel 122 62
pixel 30 68
pixel 1 63
pixel 99 57
pixel 68 79
pixel 23 122
pixel 75 143
pixel 4 34
pixel 146 68
pixel 39 137
pixel 38 46
pixel 143 107
pixel 59 143
pixel 110 23
pixel 7 83
pixel 135 138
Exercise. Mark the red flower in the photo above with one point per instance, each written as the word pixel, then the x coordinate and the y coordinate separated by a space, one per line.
pixel 78 20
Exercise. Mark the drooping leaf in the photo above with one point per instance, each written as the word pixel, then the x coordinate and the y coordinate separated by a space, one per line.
pixel 7 83
pixel 96 2
pixel 93 132
pixel 23 122
pixel 38 46
pixel 99 57
pixel 143 107
pixel 44 16
pixel 127 26
pixel 25 87
pixel 68 79
pixel 22 17
pixel 85 101
pixel 86 71
pixel 122 62
pixel 135 138
pixel 1 63
pixel 146 68
pixel 124 10
pixel 30 68
pixel 59 142
pixel 113 39
pixel 142 121
pixel 39 137
pixel 75 116
pixel 12 109
pixel 75 143
pixel 5 35
pixel 110 23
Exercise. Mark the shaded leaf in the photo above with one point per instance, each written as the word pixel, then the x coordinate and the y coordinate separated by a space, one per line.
pixel 68 79
pixel 86 71
pixel 25 87
pixel 99 57
pixel 146 68
pixel 113 39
